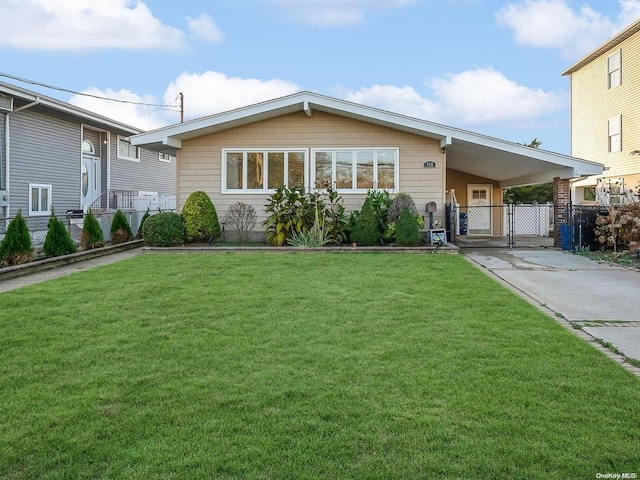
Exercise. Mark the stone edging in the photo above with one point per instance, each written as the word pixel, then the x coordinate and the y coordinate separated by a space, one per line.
pixel 14 271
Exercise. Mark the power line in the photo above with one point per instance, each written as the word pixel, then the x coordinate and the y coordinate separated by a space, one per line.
pixel 33 82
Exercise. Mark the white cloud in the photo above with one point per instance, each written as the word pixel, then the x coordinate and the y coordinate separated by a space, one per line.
pixel 334 12
pixel 204 28
pixel 139 116
pixel 213 92
pixel 82 25
pixel 555 24
pixel 467 99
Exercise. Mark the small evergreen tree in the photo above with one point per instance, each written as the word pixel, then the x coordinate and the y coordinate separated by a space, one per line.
pixel 16 246
pixel 200 217
pixel 407 229
pixel 120 229
pixel 92 236
pixel 58 241
pixel 365 231
pixel 146 215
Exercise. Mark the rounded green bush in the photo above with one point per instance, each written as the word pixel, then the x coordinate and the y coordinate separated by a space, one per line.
pixel 120 229
pixel 163 230
pixel 58 241
pixel 200 218
pixel 92 236
pixel 407 229
pixel 16 246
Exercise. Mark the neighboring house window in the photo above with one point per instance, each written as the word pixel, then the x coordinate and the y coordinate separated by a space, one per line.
pixel 127 151
pixel 589 194
pixel 615 134
pixel 355 170
pixel 610 191
pixel 166 158
pixel 262 170
pixel 39 199
pixel 614 69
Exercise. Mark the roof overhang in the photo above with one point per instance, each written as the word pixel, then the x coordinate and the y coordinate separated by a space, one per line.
pixel 508 163
pixel 605 47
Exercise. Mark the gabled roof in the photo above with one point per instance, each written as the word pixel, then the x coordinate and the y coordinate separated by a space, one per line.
pixel 605 47
pixel 81 114
pixel 507 162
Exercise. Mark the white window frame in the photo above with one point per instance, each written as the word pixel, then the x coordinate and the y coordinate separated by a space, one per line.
pixel 614 133
pixel 614 69
pixel 165 157
pixel 127 157
pixel 265 173
pixel 40 187
pixel 375 150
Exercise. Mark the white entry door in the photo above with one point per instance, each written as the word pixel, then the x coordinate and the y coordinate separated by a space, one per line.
pixel 479 209
pixel 90 180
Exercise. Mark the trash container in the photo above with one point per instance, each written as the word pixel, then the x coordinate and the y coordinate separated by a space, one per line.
pixel 566 237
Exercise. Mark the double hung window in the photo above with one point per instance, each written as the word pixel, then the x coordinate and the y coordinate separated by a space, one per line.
pixel 39 199
pixel 259 171
pixel 355 170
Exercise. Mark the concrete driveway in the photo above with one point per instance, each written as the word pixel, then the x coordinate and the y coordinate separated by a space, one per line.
pixel 603 299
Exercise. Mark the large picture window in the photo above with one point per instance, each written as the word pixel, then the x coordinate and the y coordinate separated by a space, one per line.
pixel 259 171
pixel 355 170
pixel 39 199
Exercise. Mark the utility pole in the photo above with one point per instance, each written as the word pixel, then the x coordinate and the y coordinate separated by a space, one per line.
pixel 181 108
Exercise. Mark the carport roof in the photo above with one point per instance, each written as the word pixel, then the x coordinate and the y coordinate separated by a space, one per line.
pixel 508 163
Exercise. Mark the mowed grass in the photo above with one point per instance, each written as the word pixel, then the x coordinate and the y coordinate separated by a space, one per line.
pixel 302 366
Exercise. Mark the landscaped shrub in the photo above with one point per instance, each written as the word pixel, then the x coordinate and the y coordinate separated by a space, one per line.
pixel 407 229
pixel 120 229
pixel 365 231
pixel 402 201
pixel 380 202
pixel 289 211
pixel 241 218
pixel 163 230
pixel 200 217
pixel 336 222
pixel 92 236
pixel 16 247
pixel 146 215
pixel 58 241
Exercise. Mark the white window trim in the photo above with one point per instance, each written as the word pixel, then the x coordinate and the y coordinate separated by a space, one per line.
pixel 617 53
pixel 265 152
pixel 358 191
pixel 165 160
pixel 40 187
pixel 124 139
pixel 614 128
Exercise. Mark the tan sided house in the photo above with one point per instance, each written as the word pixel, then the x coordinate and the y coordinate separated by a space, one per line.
pixel 244 154
pixel 605 117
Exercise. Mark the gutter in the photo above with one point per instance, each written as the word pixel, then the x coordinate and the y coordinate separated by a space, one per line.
pixel 7 145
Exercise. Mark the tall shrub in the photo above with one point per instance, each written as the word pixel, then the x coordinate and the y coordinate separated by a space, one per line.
pixel 402 201
pixel 200 217
pixel 16 246
pixel 92 236
pixel 58 241
pixel 289 212
pixel 163 230
pixel 365 231
pixel 120 228
pixel 407 229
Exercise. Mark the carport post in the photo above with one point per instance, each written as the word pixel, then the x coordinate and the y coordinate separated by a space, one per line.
pixel 561 199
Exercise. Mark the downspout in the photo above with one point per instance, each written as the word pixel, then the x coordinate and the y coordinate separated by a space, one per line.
pixel 7 156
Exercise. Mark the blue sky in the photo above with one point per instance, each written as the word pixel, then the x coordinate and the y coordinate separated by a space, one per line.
pixel 489 66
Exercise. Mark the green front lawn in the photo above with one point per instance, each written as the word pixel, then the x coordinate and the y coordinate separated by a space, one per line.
pixel 302 366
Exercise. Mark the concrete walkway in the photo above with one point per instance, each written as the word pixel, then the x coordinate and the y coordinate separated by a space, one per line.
pixel 602 300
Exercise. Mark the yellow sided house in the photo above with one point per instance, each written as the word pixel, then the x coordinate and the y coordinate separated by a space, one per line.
pixel 315 140
pixel 605 118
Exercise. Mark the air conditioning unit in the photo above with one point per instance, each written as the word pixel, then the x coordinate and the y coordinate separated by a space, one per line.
pixel 6 103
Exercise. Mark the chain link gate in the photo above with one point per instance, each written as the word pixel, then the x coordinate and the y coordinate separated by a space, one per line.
pixel 502 226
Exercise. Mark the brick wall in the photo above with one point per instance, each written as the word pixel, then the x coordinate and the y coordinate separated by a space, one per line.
pixel 561 198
